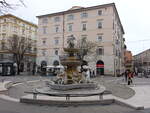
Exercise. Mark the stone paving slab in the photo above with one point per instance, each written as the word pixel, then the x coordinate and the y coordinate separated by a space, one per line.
pixel 142 96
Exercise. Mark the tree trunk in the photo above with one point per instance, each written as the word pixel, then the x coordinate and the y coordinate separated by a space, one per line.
pixel 18 69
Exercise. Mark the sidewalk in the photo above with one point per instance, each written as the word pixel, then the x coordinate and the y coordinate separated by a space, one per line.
pixel 141 97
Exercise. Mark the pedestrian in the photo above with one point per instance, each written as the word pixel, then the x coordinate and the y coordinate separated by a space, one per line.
pixel 126 75
pixel 90 73
pixel 33 71
pixel 130 76
pixel 93 73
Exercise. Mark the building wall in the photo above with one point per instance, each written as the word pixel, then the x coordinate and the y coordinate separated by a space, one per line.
pixel 128 60
pixel 142 61
pixel 110 32
pixel 11 25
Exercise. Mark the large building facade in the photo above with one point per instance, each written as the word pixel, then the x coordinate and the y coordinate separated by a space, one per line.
pixel 11 25
pixel 100 24
pixel 142 61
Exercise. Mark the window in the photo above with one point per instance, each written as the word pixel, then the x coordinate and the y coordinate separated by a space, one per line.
pixel 29 27
pixel 117 41
pixel 23 31
pixel 4 27
pixel 99 12
pixel 99 38
pixel 15 28
pixel 30 49
pixel 43 52
pixel 1 56
pixel 5 20
pixel 44 42
pixel 99 24
pixel 116 52
pixel 84 27
pixel 70 17
pixel 3 46
pixel 45 20
pixel 23 25
pixel 84 44
pixel 69 27
pixel 56 41
pixel 44 30
pixel 15 20
pixel 100 51
pixel 35 49
pixel 3 36
pixel 56 29
pixel 84 15
pixel 57 19
pixel 56 52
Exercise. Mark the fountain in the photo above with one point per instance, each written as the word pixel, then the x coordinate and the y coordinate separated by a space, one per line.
pixel 71 81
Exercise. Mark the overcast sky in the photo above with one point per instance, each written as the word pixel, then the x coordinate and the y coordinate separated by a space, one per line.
pixel 134 15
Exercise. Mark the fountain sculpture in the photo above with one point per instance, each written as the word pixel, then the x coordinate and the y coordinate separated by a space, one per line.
pixel 71 78
pixel 71 63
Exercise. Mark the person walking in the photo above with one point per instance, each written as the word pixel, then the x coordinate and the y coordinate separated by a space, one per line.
pixel 130 76
pixel 126 75
pixel 93 73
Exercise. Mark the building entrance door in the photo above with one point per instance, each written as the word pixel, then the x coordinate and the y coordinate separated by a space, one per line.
pixel 100 67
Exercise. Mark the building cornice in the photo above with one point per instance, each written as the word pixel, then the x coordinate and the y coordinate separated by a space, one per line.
pixel 10 15
pixel 85 9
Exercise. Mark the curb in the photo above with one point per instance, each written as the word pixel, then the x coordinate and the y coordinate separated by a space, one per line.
pixel 5 86
pixel 128 105
pixel 66 103
pixel 76 103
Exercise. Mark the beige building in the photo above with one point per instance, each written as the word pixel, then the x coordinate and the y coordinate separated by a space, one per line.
pixel 100 24
pixel 11 25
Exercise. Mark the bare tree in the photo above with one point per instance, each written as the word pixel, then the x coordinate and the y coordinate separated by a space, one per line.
pixel 86 48
pixel 6 5
pixel 18 46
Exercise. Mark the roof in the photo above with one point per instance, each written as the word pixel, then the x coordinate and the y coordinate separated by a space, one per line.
pixel 10 15
pixel 147 50
pixel 79 9
pixel 75 7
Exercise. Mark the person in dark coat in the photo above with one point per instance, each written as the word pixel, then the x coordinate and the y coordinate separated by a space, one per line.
pixel 130 76
pixel 126 75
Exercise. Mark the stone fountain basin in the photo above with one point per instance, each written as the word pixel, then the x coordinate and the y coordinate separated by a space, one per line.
pixel 62 87
pixel 71 50
pixel 70 63
pixel 73 92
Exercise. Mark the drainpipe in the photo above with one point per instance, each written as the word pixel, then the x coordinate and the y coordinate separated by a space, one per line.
pixel 63 28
